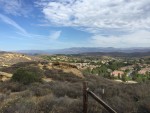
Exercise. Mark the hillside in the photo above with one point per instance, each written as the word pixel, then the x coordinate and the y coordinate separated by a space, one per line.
pixel 8 58
pixel 60 89
pixel 50 70
pixel 64 95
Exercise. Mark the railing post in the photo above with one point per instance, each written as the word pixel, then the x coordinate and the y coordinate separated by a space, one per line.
pixel 85 97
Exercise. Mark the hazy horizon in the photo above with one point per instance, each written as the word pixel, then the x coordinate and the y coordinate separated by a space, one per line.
pixel 125 48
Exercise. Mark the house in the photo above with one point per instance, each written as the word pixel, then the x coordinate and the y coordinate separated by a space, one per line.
pixel 144 70
pixel 117 73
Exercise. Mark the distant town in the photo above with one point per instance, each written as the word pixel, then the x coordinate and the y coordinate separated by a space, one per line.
pixel 117 68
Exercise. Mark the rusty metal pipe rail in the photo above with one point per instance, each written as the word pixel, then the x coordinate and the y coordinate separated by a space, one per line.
pixel 106 106
pixel 86 91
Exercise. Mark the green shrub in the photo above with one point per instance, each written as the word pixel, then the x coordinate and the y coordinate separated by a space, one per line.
pixel 27 75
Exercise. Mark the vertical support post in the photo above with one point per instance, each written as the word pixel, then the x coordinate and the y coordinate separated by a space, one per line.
pixel 85 97
pixel 102 91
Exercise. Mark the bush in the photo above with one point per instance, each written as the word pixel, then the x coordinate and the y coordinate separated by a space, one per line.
pixel 40 89
pixel 59 75
pixel 61 89
pixel 52 104
pixel 27 75
pixel 19 105
pixel 11 86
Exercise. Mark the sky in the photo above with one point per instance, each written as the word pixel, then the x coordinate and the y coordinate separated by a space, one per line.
pixel 57 24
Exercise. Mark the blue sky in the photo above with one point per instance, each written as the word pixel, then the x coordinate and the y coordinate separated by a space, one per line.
pixel 55 24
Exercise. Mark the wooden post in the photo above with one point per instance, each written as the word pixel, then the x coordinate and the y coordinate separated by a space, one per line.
pixel 85 97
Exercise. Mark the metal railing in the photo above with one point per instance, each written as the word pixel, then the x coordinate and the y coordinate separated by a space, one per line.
pixel 87 92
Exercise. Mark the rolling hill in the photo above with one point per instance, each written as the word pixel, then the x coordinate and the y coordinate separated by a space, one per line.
pixel 10 58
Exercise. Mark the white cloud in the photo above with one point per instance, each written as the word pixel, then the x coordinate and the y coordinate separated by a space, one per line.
pixel 95 15
pixel 12 23
pixel 54 35
pixel 136 39
pixel 15 7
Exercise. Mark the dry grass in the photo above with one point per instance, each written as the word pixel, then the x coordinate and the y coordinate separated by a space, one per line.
pixel 64 95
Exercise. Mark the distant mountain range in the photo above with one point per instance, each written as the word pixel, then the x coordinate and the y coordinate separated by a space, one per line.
pixel 117 54
pixel 79 50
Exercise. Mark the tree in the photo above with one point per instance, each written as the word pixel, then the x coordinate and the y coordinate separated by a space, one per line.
pixel 87 71
pixel 119 77
pixel 27 75
pixel 124 78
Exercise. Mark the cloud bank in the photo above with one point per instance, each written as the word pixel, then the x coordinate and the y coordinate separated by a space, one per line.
pixel 114 23
pixel 136 39
pixel 122 14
